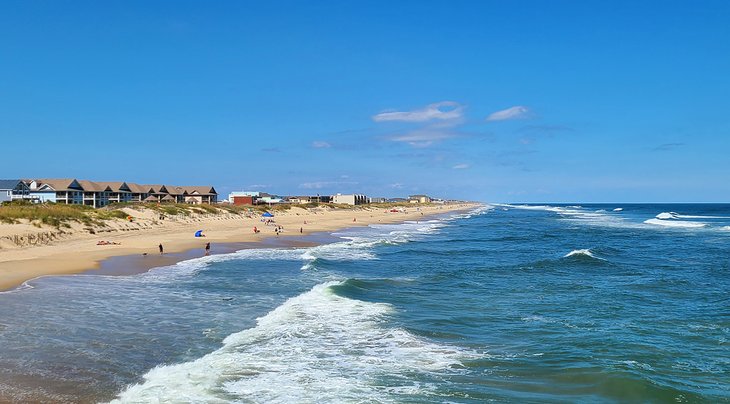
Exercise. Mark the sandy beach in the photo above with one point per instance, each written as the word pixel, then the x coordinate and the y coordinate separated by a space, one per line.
pixel 77 250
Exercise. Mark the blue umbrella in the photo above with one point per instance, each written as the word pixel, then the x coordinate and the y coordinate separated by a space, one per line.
pixel 267 214
pixel 199 233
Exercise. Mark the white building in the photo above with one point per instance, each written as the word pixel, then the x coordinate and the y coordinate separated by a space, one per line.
pixel 350 199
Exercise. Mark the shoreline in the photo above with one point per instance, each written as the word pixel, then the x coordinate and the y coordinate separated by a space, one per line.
pixel 81 255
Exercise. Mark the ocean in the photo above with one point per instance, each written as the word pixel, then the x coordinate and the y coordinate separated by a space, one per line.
pixel 506 303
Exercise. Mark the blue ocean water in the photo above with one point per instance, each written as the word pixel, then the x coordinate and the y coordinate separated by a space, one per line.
pixel 507 303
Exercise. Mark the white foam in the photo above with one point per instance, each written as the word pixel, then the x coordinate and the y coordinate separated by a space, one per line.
pixel 676 223
pixel 316 347
pixel 675 215
pixel 618 209
pixel 357 246
pixel 583 252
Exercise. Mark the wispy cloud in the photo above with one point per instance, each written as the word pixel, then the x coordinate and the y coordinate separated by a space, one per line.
pixel 544 129
pixel 668 146
pixel 259 186
pixel 320 144
pixel 461 166
pixel 440 111
pixel 423 137
pixel 325 184
pixel 516 112
pixel 396 185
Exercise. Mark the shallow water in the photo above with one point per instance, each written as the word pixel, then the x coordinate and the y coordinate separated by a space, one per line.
pixel 508 304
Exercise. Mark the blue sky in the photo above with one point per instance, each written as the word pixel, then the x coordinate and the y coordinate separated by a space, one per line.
pixel 531 101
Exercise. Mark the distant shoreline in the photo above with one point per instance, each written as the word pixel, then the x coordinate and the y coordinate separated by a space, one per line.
pixel 79 253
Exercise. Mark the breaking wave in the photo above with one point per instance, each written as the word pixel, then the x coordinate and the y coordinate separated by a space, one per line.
pixel 676 223
pixel 316 347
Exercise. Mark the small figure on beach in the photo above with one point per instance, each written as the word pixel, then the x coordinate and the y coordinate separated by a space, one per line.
pixel 256 230
pixel 354 219
pixel 301 230
pixel 207 249
pixel 162 250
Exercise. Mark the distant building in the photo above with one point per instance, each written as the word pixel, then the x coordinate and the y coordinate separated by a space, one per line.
pixel 378 200
pixel 60 190
pixel 350 199
pixel 304 199
pixel 243 198
pixel 11 190
pixel 98 194
pixel 419 199
pixel 199 195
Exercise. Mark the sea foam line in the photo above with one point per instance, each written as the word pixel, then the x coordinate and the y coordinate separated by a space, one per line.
pixel 316 347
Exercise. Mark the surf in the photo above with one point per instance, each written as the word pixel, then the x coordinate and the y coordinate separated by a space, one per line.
pixel 315 347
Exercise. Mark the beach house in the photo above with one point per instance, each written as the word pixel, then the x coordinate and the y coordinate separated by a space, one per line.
pixel 58 190
pixel 13 189
pixel 199 195
pixel 99 194
pixel 350 199
pixel 419 199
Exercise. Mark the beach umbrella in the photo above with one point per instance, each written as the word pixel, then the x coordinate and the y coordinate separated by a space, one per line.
pixel 199 233
pixel 267 214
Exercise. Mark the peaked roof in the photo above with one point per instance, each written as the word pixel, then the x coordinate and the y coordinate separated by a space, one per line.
pixel 60 184
pixel 202 190
pixel 155 188
pixel 91 186
pixel 150 198
pixel 173 190
pixel 9 184
pixel 115 186
pixel 139 189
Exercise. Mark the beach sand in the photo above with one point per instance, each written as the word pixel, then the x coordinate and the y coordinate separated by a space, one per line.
pixel 77 250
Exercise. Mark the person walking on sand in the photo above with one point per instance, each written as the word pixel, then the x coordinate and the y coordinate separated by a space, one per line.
pixel 207 249
pixel 161 249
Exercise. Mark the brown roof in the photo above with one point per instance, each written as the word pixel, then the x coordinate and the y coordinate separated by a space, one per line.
pixel 150 198
pixel 91 186
pixel 154 187
pixel 58 184
pixel 115 186
pixel 138 189
pixel 202 190
pixel 173 190
pixel 168 198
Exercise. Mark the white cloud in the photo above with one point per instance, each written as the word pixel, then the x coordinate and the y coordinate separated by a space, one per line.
pixel 325 184
pixel 516 112
pixel 259 186
pixel 443 111
pixel 320 144
pixel 461 166
pixel 396 185
pixel 423 137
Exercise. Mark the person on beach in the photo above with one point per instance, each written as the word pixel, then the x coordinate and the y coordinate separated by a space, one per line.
pixel 301 230
pixel 207 249
pixel 161 249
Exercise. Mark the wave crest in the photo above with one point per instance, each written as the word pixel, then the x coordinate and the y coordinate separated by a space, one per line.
pixel 316 347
